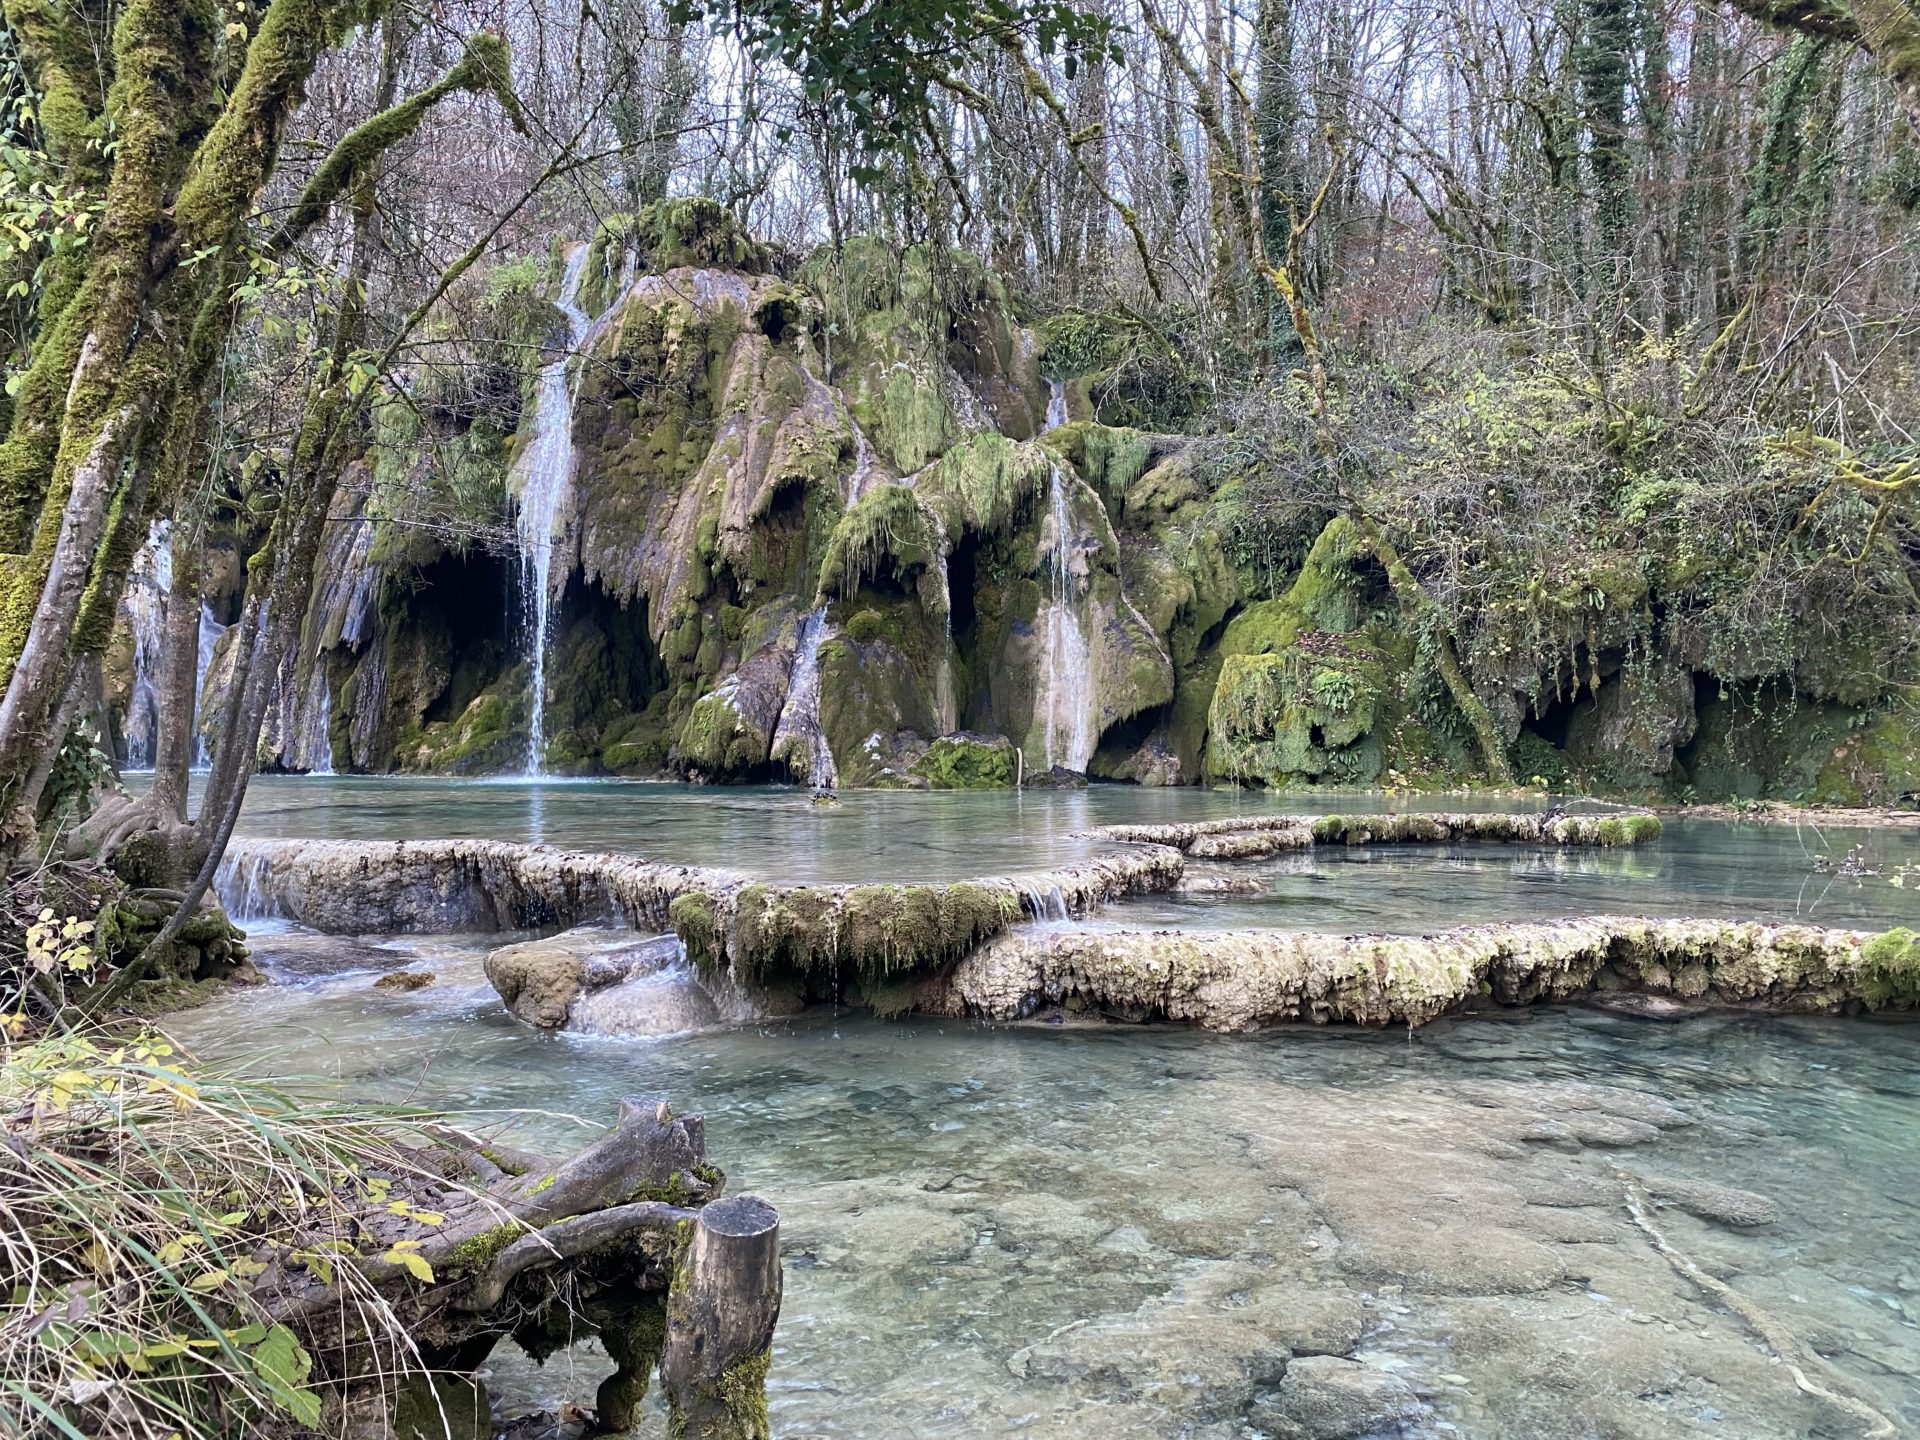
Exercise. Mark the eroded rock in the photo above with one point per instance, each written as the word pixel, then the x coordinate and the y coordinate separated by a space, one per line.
pixel 1323 1397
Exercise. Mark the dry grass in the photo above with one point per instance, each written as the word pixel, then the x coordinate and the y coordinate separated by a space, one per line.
pixel 142 1201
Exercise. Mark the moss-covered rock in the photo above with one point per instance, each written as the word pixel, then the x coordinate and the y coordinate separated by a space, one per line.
pixel 966 761
pixel 1314 687
pixel 488 735
pixel 1890 969
pixel 1765 742
pixel 869 931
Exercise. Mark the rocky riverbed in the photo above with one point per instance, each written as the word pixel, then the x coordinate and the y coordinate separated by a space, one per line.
pixel 1504 1228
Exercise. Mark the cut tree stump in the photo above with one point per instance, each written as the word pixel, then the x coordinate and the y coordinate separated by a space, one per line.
pixel 721 1310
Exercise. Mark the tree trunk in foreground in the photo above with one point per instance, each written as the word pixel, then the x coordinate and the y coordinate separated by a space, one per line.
pixel 720 1317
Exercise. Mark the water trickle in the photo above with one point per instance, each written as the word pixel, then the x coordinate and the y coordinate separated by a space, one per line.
pixel 210 632
pixel 1056 404
pixel 1068 684
pixel 312 749
pixel 799 734
pixel 145 607
pixel 1045 905
pixel 542 474
pixel 943 700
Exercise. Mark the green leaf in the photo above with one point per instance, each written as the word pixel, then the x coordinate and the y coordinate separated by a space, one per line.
pixel 283 1364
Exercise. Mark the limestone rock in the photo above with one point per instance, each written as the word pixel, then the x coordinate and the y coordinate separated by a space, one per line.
pixel 1323 1397
pixel 540 980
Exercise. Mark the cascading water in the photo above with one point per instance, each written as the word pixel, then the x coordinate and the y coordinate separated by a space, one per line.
pixel 943 700
pixel 542 474
pixel 1069 700
pixel 799 734
pixel 210 632
pixel 145 607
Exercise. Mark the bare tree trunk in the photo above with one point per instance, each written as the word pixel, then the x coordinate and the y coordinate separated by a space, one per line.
pixel 179 677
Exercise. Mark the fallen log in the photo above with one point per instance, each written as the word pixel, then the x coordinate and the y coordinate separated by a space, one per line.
pixel 545 1253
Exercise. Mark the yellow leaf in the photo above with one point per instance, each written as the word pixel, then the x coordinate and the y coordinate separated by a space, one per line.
pixel 418 1267
pixel 211 1280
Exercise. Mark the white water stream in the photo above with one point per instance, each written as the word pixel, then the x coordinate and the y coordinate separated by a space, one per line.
pixel 145 607
pixel 799 726
pixel 542 475
pixel 1068 699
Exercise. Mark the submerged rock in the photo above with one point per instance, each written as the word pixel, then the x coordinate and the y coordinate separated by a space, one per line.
pixel 1704 1200
pixel 405 981
pixel 1323 1397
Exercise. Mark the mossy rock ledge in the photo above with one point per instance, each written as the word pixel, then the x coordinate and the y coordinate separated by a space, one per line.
pixel 1245 980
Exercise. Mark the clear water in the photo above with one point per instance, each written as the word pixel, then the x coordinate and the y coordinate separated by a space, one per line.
pixel 1709 868
pixel 1067 1233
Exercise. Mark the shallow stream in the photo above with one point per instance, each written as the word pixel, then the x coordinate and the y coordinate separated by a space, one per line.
pixel 1068 1232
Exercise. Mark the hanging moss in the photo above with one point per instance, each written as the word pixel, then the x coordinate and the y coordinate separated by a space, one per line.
pixel 986 485
pixel 888 529
pixel 870 931
pixel 1890 969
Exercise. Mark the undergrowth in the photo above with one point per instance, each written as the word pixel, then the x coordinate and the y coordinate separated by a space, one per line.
pixel 151 1212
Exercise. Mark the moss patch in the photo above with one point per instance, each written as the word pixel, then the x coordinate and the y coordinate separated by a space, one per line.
pixel 968 762
pixel 1890 969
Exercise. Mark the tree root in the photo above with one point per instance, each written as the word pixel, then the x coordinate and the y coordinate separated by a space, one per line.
pixel 1776 1337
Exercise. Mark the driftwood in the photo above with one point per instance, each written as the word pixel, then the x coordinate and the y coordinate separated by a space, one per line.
pixel 543 1252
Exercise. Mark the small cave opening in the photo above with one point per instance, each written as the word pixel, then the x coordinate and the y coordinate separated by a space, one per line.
pixel 603 667
pixel 1552 718
pixel 963 567
pixel 1120 741
pixel 470 604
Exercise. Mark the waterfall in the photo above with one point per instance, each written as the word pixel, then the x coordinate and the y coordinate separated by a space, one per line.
pixel 948 718
pixel 1044 906
pixel 799 728
pixel 145 607
pixel 210 632
pixel 310 747
pixel 1068 712
pixel 1056 404
pixel 544 471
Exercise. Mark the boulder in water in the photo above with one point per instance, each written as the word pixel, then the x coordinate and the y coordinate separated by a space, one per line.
pixel 540 980
pixel 596 981
pixel 965 760
pixel 1058 778
pixel 1323 1397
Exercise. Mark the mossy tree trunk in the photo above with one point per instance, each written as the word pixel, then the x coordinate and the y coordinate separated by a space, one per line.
pixel 1888 30
pixel 109 405
pixel 1420 606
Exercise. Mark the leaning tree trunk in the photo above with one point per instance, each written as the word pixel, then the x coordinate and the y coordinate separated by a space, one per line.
pixel 1406 589
pixel 720 1319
